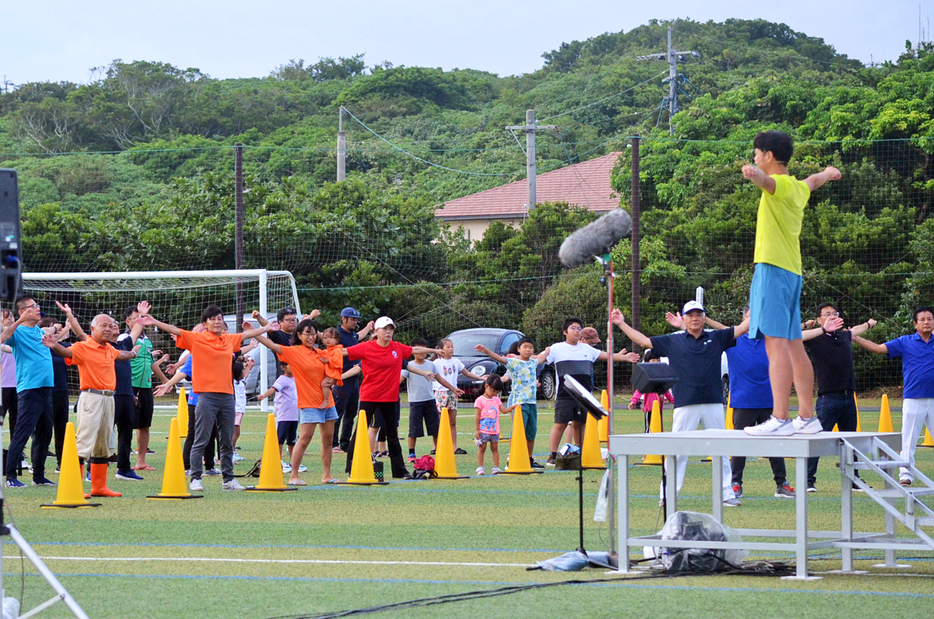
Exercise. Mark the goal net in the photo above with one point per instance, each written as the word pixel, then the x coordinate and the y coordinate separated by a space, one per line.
pixel 177 297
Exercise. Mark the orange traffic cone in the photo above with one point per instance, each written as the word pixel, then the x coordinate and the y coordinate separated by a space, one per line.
pixel 590 451
pixel 885 416
pixel 928 439
pixel 270 470
pixel 729 414
pixel 655 426
pixel 519 462
pixel 859 423
pixel 173 479
pixel 603 426
pixel 70 489
pixel 361 469
pixel 445 466
pixel 182 414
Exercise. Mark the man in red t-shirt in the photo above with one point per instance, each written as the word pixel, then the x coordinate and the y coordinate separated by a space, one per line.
pixel 212 357
pixel 382 367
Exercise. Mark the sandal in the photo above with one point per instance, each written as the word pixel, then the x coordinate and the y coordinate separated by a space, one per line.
pixel 144 467
pixel 297 482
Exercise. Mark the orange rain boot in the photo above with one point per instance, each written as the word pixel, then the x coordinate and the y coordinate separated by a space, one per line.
pixel 99 481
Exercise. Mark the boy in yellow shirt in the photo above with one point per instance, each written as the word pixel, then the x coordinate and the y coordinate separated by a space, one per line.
pixel 775 294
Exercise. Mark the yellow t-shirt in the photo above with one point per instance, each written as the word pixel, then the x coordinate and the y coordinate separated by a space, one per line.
pixel 778 224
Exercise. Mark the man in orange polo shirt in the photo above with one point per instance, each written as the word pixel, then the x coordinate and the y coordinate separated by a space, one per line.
pixel 98 379
pixel 212 357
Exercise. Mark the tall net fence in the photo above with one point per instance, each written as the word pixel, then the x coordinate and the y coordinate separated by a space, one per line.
pixel 377 245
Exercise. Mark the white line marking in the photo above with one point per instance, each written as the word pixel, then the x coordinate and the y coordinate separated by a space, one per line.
pixel 285 561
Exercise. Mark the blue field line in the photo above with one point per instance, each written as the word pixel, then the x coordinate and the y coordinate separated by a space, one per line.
pixel 623 583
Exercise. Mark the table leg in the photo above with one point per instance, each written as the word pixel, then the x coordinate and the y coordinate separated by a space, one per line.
pixel 716 465
pixel 622 463
pixel 801 522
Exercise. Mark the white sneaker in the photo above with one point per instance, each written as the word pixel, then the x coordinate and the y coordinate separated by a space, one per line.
pixel 196 485
pixel 286 467
pixel 807 426
pixel 772 427
pixel 302 468
pixel 233 484
pixel 237 457
pixel 481 470
pixel 731 502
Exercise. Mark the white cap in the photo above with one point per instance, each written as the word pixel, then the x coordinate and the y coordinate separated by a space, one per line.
pixel 383 321
pixel 691 306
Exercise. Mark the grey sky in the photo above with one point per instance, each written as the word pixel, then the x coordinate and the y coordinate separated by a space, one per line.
pixel 60 40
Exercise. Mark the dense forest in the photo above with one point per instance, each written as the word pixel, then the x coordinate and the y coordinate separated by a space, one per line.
pixel 134 171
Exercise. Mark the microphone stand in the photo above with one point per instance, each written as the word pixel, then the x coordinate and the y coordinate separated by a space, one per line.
pixel 608 279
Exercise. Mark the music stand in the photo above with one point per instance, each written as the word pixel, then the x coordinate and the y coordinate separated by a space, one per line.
pixel 656 378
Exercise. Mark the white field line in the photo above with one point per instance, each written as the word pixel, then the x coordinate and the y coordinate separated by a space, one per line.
pixel 285 561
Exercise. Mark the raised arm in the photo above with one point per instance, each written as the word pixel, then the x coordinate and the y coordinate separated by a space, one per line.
pixel 741 329
pixel 8 332
pixel 268 343
pixel 147 320
pixel 816 181
pixel 362 333
pixel 272 326
pixel 829 326
pixel 638 338
pixel 489 353
pixel 863 327
pixel 50 341
pixel 72 322
pixel 713 324
pixel 881 349
pixel 259 318
pixel 543 356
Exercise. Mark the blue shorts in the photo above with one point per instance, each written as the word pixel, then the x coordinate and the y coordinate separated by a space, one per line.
pixel 775 303
pixel 317 415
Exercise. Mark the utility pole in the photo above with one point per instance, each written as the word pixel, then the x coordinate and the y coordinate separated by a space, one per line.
pixel 672 56
pixel 530 127
pixel 341 146
pixel 238 231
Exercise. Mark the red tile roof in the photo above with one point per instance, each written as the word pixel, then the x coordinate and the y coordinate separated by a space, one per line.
pixel 584 184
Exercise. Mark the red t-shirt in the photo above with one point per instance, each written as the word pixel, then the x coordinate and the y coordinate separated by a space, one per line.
pixel 382 368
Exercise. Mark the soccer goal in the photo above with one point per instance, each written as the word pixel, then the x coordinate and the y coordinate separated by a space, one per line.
pixel 177 297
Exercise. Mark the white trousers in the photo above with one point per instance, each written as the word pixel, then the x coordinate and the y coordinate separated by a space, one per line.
pixel 710 417
pixel 916 412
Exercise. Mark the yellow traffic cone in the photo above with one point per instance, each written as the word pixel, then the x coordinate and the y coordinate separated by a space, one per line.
pixel 590 451
pixel 729 414
pixel 885 416
pixel 361 469
pixel 70 489
pixel 270 469
pixel 445 466
pixel 655 426
pixel 519 462
pixel 928 439
pixel 859 423
pixel 173 479
pixel 182 413
pixel 603 426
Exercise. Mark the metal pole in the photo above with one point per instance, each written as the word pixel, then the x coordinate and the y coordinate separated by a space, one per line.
pixel 238 235
pixel 611 495
pixel 672 83
pixel 636 238
pixel 341 147
pixel 530 157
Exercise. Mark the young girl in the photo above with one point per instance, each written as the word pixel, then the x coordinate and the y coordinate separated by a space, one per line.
pixel 333 359
pixel 489 407
pixel 241 369
pixel 286 405
pixel 447 367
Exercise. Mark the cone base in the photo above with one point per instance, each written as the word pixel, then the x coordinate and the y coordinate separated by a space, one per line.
pixel 593 468
pixel 451 477
pixel 175 497
pixel 68 505
pixel 360 483
pixel 532 472
pixel 648 463
pixel 260 489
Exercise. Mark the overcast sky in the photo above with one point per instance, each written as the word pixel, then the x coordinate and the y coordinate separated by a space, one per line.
pixel 58 40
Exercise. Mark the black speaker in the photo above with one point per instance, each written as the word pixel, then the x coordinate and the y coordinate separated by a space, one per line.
pixel 653 377
pixel 11 277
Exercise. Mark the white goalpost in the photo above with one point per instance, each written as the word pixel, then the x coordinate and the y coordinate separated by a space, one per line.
pixel 178 297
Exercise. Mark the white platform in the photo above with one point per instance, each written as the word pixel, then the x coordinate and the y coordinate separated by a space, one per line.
pixel 738 443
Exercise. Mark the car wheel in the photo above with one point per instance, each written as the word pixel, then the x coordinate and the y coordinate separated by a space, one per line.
pixel 549 384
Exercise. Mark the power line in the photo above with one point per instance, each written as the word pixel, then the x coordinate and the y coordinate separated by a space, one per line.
pixel 599 101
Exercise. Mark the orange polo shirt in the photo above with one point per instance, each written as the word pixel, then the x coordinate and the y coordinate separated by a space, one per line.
pixel 95 363
pixel 211 359
pixel 308 371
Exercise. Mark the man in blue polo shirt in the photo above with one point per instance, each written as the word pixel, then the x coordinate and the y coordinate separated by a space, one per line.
pixel 694 354
pixel 917 353
pixel 347 395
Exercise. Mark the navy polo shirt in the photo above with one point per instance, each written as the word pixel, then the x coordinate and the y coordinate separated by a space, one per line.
pixel 696 361
pixel 348 339
pixel 124 369
pixel 60 371
pixel 749 374
pixel 917 364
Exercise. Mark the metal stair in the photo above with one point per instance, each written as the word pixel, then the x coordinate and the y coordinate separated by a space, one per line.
pixel 901 504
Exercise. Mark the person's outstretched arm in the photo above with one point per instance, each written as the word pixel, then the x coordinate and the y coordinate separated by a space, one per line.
pixel 638 338
pixel 489 353
pixel 816 181
pixel 881 349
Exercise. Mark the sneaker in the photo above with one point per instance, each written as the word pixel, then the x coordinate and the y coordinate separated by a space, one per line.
pixel 128 475
pixel 431 453
pixel 233 484
pixel 237 457
pixel 87 476
pixel 550 461
pixel 807 426
pixel 302 468
pixel 771 427
pixel 858 489
pixel 480 471
pixel 212 472
pixel 738 490
pixel 149 452
pixel 536 465
pixel 812 488
pixel 731 503
pixel 286 467
pixel 412 458
pixel 43 481
pixel 784 492
pixel 459 452
pixel 196 485
pixel 187 472
pixel 58 470
pixel 496 471
pixel 12 482
pixel 903 481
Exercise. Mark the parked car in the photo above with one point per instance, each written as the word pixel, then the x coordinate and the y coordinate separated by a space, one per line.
pixel 465 342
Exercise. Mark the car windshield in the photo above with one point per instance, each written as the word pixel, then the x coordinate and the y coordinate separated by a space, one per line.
pixel 465 343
